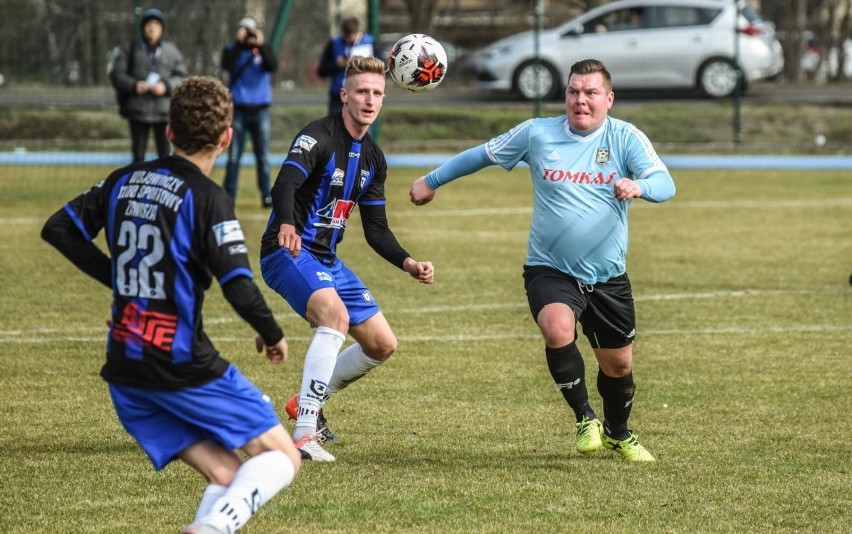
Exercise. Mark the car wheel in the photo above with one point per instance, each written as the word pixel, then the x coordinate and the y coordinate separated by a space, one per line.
pixel 546 86
pixel 717 78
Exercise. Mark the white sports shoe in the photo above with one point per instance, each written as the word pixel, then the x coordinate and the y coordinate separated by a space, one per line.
pixel 311 449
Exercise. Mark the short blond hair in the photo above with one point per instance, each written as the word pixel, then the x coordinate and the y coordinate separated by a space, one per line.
pixel 363 64
pixel 199 112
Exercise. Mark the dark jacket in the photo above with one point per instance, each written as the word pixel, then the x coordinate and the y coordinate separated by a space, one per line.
pixel 165 59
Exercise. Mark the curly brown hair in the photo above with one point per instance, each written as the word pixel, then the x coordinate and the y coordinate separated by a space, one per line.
pixel 199 112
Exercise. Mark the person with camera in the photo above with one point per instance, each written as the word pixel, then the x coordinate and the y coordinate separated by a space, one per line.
pixel 249 62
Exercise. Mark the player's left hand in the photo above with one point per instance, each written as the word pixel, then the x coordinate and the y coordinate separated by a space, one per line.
pixel 276 353
pixel 625 189
pixel 423 271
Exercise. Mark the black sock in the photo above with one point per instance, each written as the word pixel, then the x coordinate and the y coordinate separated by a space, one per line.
pixel 617 395
pixel 569 372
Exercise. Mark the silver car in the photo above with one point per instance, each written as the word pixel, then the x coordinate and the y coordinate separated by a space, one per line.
pixel 645 44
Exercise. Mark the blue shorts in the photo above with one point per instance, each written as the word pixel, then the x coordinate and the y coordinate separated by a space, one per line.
pixel 296 279
pixel 229 411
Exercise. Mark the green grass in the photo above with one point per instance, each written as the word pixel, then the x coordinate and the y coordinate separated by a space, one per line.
pixel 742 364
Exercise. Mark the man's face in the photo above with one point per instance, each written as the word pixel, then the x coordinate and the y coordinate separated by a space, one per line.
pixel 587 101
pixel 152 31
pixel 362 96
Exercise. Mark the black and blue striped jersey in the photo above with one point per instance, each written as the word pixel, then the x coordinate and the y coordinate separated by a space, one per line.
pixel 326 174
pixel 169 230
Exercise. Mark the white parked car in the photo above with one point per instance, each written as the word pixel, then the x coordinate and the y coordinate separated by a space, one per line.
pixel 645 44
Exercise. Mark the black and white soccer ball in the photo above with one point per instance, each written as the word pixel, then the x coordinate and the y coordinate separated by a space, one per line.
pixel 417 62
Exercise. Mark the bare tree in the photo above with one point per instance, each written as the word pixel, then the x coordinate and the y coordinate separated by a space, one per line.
pixel 422 13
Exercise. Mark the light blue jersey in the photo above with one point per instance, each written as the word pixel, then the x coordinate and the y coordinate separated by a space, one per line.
pixel 578 226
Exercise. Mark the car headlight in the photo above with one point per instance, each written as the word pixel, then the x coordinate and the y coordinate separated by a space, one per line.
pixel 496 52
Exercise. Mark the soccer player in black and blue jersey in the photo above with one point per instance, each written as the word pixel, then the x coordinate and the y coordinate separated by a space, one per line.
pixel 332 166
pixel 169 231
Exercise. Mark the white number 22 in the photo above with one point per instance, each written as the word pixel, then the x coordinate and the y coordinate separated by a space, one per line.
pixel 140 281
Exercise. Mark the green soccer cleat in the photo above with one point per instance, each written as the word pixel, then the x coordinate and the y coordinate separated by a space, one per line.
pixel 589 435
pixel 628 447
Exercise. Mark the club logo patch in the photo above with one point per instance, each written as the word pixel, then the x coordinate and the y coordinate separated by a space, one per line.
pixel 305 141
pixel 337 177
pixel 228 232
pixel 602 155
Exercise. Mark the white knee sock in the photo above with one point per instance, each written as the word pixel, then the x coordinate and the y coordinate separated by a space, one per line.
pixel 319 367
pixel 351 365
pixel 211 493
pixel 257 481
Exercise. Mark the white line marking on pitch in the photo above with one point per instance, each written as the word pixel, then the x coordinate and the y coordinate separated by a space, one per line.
pixel 54 335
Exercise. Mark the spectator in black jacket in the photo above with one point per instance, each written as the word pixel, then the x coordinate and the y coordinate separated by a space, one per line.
pixel 144 73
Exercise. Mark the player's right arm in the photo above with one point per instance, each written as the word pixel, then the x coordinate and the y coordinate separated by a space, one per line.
pixel 72 230
pixel 289 179
pixel 307 149
pixel 61 232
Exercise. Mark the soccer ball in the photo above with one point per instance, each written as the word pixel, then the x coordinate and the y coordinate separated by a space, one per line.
pixel 417 62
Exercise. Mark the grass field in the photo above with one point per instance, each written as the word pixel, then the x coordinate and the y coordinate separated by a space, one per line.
pixel 742 364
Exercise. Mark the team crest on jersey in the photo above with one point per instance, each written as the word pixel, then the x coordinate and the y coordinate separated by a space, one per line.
pixel 602 155
pixel 337 177
pixel 367 296
pixel 365 175
pixel 228 232
pixel 305 141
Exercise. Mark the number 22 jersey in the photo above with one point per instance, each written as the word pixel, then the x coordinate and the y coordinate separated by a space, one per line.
pixel 169 230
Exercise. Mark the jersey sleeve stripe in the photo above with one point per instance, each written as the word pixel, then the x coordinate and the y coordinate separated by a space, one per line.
pixel 294 164
pixel 242 271
pixel 78 222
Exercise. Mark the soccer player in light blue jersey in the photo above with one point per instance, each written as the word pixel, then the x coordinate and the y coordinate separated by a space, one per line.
pixel 586 169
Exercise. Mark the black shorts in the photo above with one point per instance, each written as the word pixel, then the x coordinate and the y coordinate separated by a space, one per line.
pixel 605 310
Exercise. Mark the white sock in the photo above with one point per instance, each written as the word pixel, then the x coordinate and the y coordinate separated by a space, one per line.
pixel 319 367
pixel 211 493
pixel 351 365
pixel 257 481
